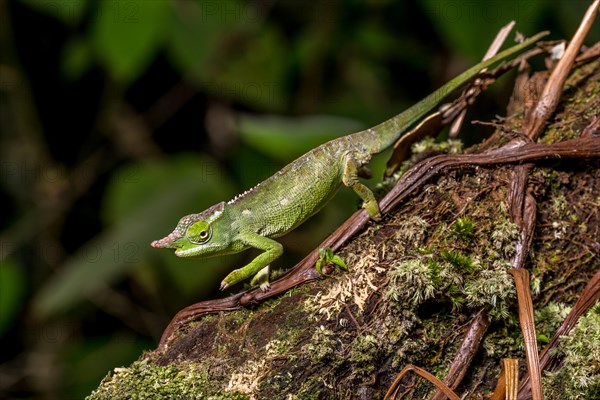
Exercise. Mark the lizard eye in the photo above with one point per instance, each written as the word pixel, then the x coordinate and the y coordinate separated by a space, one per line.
pixel 199 232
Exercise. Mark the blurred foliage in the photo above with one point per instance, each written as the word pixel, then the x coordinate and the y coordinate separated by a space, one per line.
pixel 285 139
pixel 12 289
pixel 118 117
pixel 479 19
pixel 165 191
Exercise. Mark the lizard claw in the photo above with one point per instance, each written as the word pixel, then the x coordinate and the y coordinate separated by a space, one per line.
pixel 223 286
pixel 265 286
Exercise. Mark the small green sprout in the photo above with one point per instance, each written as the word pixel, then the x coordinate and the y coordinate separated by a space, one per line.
pixel 541 338
pixel 327 259
pixel 464 263
pixel 464 228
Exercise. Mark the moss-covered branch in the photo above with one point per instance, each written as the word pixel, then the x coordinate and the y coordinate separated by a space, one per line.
pixel 415 283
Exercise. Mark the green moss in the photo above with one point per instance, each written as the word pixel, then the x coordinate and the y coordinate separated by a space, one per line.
pixel 464 263
pixel 312 389
pixel 364 354
pixel 412 231
pixel 579 376
pixel 504 342
pixel 549 318
pixel 430 144
pixel 413 281
pixel 504 236
pixel 551 178
pixel 464 229
pixel 456 279
pixel 492 289
pixel 560 205
pixel 144 380
pixel 322 346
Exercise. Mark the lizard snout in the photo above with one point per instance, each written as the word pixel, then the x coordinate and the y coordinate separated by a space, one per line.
pixel 157 244
pixel 165 243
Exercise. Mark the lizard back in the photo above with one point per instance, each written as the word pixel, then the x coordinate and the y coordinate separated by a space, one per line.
pixel 283 201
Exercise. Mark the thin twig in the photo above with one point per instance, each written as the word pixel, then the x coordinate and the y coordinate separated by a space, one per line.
pixel 491 52
pixel 508 382
pixel 391 393
pixel 550 97
pixel 589 296
pixel 521 277
pixel 465 354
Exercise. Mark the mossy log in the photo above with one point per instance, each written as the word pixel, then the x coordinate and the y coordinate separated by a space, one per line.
pixel 416 282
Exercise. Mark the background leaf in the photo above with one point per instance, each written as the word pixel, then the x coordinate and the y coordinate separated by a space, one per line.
pixel 76 58
pixel 12 290
pixel 126 34
pixel 217 47
pixel 469 25
pixel 67 11
pixel 285 139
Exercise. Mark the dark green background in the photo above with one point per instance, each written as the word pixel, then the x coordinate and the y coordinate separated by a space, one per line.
pixel 119 117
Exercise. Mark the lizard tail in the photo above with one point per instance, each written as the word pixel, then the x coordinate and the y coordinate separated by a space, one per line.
pixel 386 133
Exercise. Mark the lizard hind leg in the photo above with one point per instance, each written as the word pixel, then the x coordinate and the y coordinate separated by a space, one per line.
pixel 350 179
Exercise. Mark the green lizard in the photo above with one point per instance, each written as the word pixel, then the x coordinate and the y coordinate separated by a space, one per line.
pixel 285 200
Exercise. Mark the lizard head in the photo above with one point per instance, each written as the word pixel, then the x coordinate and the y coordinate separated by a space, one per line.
pixel 198 234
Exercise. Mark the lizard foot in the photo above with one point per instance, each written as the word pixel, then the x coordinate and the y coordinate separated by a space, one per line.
pixel 262 279
pixel 372 209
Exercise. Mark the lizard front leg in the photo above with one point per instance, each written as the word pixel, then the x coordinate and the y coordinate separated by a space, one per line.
pixel 350 178
pixel 259 266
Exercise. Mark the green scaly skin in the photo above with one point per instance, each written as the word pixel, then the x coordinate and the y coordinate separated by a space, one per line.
pixel 279 204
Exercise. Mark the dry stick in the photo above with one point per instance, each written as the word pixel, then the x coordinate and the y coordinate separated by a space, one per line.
pixel 589 297
pixel 526 212
pixel 506 387
pixel 521 276
pixel 583 147
pixel 391 393
pixel 523 211
pixel 465 354
pixel 551 94
pixel 304 271
pixel 590 54
pixel 492 50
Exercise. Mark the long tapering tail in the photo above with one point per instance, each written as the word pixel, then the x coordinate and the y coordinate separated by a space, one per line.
pixel 386 133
